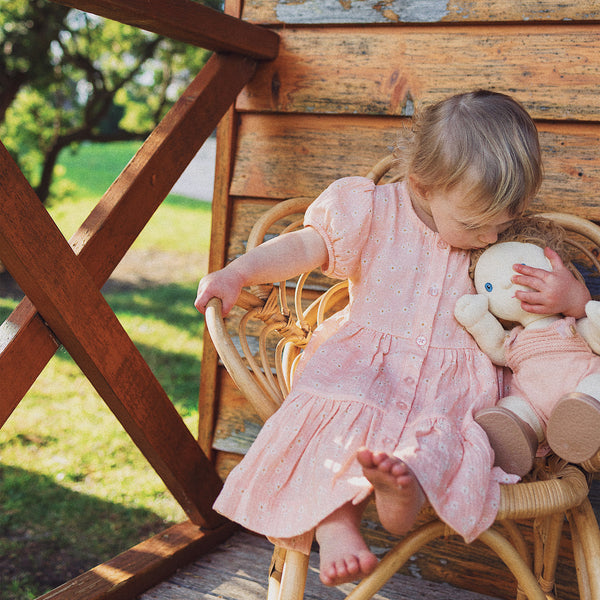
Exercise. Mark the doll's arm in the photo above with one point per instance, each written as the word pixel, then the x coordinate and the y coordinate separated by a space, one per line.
pixel 471 311
pixel 589 327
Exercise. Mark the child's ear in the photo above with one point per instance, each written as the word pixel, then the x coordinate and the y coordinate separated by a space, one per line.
pixel 417 187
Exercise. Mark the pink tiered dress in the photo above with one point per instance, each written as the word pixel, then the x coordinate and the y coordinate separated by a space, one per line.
pixel 393 371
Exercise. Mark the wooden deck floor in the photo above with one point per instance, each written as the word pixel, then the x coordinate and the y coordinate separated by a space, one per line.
pixel 237 570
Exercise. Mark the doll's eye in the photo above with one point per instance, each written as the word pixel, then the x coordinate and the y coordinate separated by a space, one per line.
pixel 488 287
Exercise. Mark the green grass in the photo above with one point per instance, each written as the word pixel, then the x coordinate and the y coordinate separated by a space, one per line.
pixel 87 173
pixel 74 490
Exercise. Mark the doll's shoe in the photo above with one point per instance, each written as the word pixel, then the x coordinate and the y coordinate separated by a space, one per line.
pixel 573 431
pixel 513 440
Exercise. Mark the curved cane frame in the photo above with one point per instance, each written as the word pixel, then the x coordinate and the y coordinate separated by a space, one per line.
pixel 557 489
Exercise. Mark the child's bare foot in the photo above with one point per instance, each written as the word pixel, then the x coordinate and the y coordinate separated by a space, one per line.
pixel 398 495
pixel 344 555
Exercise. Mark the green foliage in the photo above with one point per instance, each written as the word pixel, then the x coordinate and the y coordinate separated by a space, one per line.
pixel 70 76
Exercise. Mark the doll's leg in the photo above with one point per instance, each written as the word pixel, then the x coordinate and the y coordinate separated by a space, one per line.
pixel 514 431
pixel 573 430
pixel 344 556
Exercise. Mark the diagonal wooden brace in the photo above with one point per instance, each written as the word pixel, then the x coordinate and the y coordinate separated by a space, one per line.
pixel 64 288
pixel 68 299
pixel 106 235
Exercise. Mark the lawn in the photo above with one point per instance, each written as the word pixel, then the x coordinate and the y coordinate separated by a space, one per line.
pixel 74 490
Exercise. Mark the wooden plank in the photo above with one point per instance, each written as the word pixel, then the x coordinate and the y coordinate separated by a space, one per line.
pixel 23 330
pixel 237 570
pixel 188 22
pixel 221 215
pixel 299 155
pixel 305 12
pixel 553 70
pixel 68 299
pixel 139 568
pixel 113 225
pixel 237 422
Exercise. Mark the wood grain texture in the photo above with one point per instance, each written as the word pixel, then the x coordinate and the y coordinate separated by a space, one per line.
pixel 237 571
pixel 303 12
pixel 553 70
pixel 113 225
pixel 188 22
pixel 66 296
pixel 143 566
pixel 221 214
pixel 292 155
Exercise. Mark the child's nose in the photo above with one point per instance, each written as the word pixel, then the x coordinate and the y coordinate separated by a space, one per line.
pixel 489 237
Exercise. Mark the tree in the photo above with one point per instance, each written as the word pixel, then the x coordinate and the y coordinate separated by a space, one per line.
pixel 70 77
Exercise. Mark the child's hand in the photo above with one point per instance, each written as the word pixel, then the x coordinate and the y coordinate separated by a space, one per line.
pixel 556 291
pixel 225 284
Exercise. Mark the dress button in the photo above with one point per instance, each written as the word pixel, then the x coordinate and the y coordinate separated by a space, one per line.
pixel 409 380
pixel 433 291
pixel 421 340
pixel 442 244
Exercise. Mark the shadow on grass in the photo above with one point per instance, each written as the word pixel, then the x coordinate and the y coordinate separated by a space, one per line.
pixel 50 534
pixel 172 303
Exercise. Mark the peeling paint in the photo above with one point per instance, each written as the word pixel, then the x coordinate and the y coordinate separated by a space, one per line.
pixel 361 11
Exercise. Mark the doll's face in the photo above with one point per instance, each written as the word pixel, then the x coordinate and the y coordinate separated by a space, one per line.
pixel 494 271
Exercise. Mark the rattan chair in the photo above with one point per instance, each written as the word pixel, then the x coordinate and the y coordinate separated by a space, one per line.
pixel 271 337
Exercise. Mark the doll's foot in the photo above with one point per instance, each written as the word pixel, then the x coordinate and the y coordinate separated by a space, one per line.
pixel 573 430
pixel 513 440
pixel 398 495
pixel 344 556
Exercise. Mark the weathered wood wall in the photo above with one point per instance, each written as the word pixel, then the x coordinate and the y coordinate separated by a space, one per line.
pixel 349 74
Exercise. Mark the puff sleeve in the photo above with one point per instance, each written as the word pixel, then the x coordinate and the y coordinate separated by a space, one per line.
pixel 342 216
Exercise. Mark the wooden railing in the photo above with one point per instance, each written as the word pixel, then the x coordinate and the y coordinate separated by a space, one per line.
pixel 62 280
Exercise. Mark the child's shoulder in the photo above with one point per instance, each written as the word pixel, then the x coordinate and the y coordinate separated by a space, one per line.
pixel 353 183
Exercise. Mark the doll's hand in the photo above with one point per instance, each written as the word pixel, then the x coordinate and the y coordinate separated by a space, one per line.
pixel 470 309
pixel 556 291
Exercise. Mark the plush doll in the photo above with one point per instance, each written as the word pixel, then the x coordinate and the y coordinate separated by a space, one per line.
pixel 555 371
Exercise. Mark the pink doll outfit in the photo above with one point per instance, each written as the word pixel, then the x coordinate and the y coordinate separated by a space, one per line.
pixel 393 371
pixel 548 363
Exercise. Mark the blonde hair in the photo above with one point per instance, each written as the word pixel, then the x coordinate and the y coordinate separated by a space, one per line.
pixel 483 139
pixel 539 231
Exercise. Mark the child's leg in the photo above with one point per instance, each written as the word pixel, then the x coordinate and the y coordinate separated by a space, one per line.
pixel 344 555
pixel 398 495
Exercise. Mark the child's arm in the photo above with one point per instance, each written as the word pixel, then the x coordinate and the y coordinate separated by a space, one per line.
pixel 556 291
pixel 471 311
pixel 279 258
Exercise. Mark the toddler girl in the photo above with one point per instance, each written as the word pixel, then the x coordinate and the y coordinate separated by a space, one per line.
pixel 385 392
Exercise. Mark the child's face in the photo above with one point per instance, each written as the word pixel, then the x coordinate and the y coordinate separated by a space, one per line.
pixel 453 214
pixel 494 273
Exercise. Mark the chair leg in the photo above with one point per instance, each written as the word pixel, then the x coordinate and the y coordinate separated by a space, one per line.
pixel 395 559
pixel 275 572
pixel 293 578
pixel 586 549
pixel 526 580
pixel 547 533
